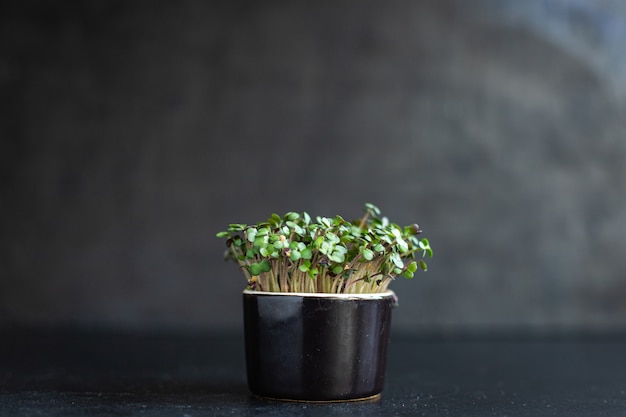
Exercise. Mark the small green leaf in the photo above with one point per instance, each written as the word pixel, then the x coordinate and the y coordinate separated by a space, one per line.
pixel 260 242
pixel 323 221
pixel 306 253
pixel 255 269
pixel 402 245
pixel 303 268
pixel 408 274
pixel 395 258
pixel 222 234
pixel 337 257
pixel 337 269
pixel 295 255
pixel 378 247
pixel 265 266
pixel 423 266
pixel 372 209
pixel 291 216
pixel 325 248
pixel 331 237
pixel 275 219
pixel 412 267
pixel 236 227
pixel 367 254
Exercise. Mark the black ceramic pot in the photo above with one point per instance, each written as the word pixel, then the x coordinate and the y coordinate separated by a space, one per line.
pixel 316 347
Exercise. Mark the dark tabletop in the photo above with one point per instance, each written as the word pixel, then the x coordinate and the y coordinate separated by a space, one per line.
pixel 114 373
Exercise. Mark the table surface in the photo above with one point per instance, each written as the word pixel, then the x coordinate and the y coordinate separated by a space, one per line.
pixel 103 373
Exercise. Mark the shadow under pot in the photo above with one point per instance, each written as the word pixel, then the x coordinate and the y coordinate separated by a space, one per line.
pixel 316 347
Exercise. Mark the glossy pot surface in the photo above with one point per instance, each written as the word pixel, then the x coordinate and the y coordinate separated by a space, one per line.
pixel 316 347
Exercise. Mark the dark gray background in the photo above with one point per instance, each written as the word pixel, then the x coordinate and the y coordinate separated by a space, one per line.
pixel 133 131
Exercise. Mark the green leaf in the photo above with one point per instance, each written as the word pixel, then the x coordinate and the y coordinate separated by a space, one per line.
pixel 402 245
pixel 222 234
pixel 424 244
pixel 323 221
pixel 295 255
pixel 250 253
pixel 331 237
pixel 306 253
pixel 236 227
pixel 337 269
pixel 341 249
pixel 368 254
pixel 255 269
pixel 260 242
pixel 423 266
pixel 291 216
pixel 408 274
pixel 265 266
pixel 325 248
pixel 337 257
pixel 412 267
pixel 305 266
pixel 275 219
pixel 372 209
pixel 395 258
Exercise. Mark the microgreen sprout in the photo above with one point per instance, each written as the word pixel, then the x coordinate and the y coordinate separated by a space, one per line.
pixel 298 253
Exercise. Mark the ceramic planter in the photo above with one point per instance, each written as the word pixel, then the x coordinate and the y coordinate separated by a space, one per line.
pixel 316 347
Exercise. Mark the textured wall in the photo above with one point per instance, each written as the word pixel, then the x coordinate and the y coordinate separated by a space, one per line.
pixel 133 131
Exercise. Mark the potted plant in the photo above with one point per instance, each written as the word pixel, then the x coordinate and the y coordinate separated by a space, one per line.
pixel 317 308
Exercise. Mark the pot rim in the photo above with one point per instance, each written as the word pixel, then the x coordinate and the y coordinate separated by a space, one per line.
pixel 368 296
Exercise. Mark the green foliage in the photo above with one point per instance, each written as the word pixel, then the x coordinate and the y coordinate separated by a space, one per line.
pixel 295 253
